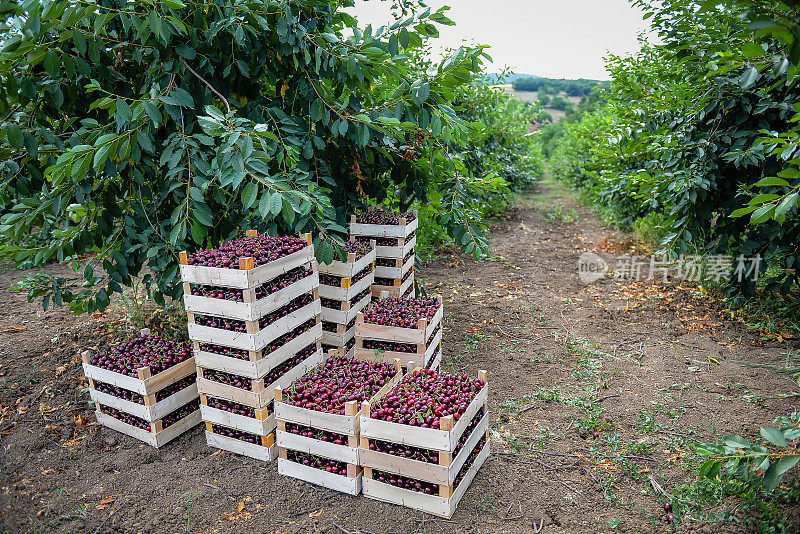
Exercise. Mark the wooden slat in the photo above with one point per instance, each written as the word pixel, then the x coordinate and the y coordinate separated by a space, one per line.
pixel 343 484
pixel 382 271
pixel 393 334
pixel 341 424
pixel 340 453
pixel 338 340
pixel 225 443
pixel 262 367
pixel 238 422
pixel 342 316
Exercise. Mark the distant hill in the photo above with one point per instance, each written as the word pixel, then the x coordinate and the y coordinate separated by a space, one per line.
pixel 507 78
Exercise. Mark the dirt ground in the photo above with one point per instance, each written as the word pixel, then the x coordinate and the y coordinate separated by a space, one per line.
pixel 596 395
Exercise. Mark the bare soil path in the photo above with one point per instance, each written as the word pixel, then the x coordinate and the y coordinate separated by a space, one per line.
pixel 596 395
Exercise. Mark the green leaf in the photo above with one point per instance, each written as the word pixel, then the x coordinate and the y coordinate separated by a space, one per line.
pixel 343 127
pixel 743 211
pixel 174 4
pixel 249 194
pixel 772 180
pixel 786 463
pixel 275 203
pixel 762 214
pixel 287 211
pixel 51 63
pixel 751 50
pixel 14 135
pixel 749 78
pixel 316 110
pixel 774 436
pixel 786 204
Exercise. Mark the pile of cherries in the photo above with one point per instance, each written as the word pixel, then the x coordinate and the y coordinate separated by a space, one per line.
pixel 389 346
pixel 225 351
pixel 143 351
pixel 386 262
pixel 180 413
pixel 404 313
pixel 380 281
pixel 400 481
pixel 263 249
pixel 423 397
pixel 380 216
pixel 236 434
pixel 337 381
pixel 233 325
pixel 321 435
pixel 317 462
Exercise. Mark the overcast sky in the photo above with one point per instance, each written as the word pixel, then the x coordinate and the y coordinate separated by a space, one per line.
pixel 553 38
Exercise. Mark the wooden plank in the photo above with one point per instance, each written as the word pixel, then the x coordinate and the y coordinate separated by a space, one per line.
pixel 340 453
pixel 381 491
pixel 260 368
pixel 343 484
pixel 382 271
pixel 250 311
pixel 169 376
pixel 477 433
pixel 238 422
pixel 463 422
pixel 393 334
pixel 178 428
pixel 437 361
pixel 225 443
pixel 466 482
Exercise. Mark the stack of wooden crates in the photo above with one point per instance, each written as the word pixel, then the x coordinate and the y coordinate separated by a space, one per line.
pixel 239 418
pixel 394 254
pixel 345 290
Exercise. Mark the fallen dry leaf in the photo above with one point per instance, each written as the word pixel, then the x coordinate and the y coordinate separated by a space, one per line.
pixel 240 508
pixel 317 513
pixel 13 330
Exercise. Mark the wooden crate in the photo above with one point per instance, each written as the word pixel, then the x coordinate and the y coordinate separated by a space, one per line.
pixel 145 383
pixel 349 268
pixel 347 289
pixel 338 339
pixel 347 310
pixel 247 276
pixel 249 311
pixel 397 271
pixel 261 394
pixel 397 252
pixel 267 451
pixel 401 230
pixel 152 412
pixel 157 435
pixel 347 424
pixel 434 504
pixel 262 424
pixel 259 364
pixel 420 336
pixel 445 440
pixel 257 337
pixel 399 288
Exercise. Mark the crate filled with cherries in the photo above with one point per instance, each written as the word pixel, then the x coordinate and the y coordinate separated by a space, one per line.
pixel 404 328
pixel 423 442
pixel 318 416
pixel 144 388
pixel 394 234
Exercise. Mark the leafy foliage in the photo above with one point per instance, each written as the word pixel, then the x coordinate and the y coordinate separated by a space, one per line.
pixel 701 130
pixel 762 465
pixel 132 131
